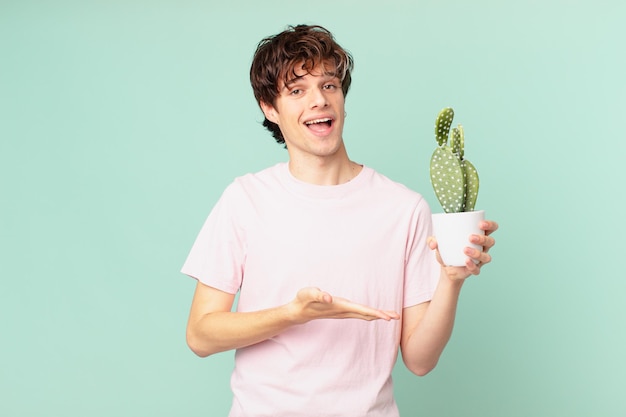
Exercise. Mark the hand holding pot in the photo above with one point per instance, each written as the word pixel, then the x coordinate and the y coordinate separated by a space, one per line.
pixel 475 257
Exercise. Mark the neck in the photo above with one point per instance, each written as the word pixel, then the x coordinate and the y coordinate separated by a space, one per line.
pixel 324 171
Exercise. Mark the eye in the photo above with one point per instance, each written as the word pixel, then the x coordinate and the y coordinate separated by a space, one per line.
pixel 330 87
pixel 295 92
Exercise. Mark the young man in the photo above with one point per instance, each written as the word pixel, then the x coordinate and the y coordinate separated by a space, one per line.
pixel 332 260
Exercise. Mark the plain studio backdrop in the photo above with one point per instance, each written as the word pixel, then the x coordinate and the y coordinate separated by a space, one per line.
pixel 121 122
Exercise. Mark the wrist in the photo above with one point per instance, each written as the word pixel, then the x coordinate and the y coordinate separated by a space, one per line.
pixel 451 278
pixel 292 313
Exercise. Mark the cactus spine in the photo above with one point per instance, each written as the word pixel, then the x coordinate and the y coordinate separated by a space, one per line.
pixel 454 178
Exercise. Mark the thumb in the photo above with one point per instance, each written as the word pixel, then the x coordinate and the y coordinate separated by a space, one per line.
pixel 323 297
pixel 315 295
pixel 432 244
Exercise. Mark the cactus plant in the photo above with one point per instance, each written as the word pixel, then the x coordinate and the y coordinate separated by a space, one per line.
pixel 454 178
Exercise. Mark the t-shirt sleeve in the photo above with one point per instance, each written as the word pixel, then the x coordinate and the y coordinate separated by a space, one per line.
pixel 218 254
pixel 422 269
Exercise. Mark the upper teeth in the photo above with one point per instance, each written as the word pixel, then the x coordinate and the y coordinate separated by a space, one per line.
pixel 310 122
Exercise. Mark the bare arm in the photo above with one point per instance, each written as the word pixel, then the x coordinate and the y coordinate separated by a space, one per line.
pixel 427 327
pixel 212 327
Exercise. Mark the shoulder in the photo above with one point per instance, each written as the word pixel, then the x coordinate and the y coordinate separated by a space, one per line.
pixel 251 192
pixel 387 188
pixel 267 177
pixel 251 183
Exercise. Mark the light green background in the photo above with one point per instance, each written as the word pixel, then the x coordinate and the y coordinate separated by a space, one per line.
pixel 122 121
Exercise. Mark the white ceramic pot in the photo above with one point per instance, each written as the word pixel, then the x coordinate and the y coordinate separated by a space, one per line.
pixel 452 231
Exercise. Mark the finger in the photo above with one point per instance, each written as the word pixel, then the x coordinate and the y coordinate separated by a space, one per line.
pixel 363 315
pixel 472 267
pixel 488 226
pixel 477 258
pixel 485 241
pixel 379 315
pixel 393 315
pixel 384 315
pixel 354 310
pixel 474 261
pixel 488 243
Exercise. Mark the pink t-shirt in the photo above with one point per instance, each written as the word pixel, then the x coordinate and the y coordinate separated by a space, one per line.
pixel 271 235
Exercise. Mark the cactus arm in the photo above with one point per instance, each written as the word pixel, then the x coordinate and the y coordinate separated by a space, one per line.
pixel 442 125
pixel 446 176
pixel 459 128
pixel 456 141
pixel 471 185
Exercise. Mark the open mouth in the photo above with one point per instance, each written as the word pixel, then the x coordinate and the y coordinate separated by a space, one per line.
pixel 319 125
pixel 327 121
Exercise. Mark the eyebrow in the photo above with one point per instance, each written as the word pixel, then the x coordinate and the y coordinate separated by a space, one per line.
pixel 292 81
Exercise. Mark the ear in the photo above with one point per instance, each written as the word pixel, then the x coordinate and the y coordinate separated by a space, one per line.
pixel 269 111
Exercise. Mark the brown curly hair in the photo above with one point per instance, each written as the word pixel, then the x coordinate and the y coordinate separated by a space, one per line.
pixel 298 47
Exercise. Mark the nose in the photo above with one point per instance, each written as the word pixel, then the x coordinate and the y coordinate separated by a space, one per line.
pixel 318 98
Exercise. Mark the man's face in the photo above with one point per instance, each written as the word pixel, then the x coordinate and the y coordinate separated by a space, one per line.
pixel 310 113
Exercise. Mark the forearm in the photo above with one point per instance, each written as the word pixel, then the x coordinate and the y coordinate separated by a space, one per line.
pixel 425 340
pixel 220 331
pixel 212 327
